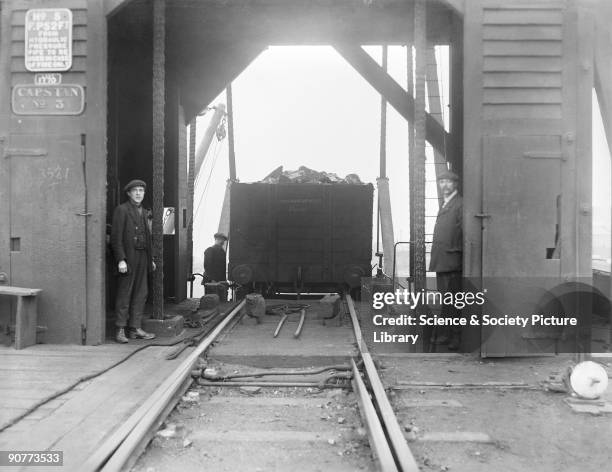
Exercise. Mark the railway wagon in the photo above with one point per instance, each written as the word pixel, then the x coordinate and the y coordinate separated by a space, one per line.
pixel 300 237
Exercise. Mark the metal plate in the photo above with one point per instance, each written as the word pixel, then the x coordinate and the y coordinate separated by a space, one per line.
pixel 66 99
pixel 48 39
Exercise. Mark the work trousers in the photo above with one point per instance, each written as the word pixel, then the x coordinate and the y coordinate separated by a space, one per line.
pixel 132 292
pixel 449 282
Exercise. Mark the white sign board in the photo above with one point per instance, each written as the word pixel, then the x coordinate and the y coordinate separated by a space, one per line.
pixel 48 39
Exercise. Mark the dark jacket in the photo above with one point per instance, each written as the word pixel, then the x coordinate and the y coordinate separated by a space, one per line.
pixel 447 244
pixel 129 230
pixel 214 263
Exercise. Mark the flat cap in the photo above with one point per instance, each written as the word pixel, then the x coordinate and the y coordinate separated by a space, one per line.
pixel 220 236
pixel 448 175
pixel 134 183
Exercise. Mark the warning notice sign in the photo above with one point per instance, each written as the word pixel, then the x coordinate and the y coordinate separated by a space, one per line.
pixel 48 39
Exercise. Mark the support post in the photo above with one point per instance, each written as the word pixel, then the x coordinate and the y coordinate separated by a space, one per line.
pixel 411 148
pixel 230 133
pixel 159 87
pixel 435 110
pixel 384 197
pixel 418 191
pixel 397 97
pixel 603 88
pixel 191 189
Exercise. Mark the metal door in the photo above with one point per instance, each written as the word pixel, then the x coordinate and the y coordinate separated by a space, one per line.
pixel 47 229
pixel 522 201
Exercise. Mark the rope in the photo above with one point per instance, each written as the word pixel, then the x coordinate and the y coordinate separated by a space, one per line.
pixel 159 86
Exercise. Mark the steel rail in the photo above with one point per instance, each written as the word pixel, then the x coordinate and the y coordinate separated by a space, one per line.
pixel 280 324
pixel 117 450
pixel 402 452
pixel 376 434
pixel 298 331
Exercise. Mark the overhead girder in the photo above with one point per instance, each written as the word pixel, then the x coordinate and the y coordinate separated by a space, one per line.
pixel 436 135
pixel 201 81
pixel 302 22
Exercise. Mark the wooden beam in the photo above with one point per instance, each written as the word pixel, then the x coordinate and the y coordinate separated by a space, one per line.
pixel 112 7
pixel 392 91
pixel 457 6
pixel 603 72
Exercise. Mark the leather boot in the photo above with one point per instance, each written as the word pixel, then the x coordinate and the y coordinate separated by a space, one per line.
pixel 121 338
pixel 139 333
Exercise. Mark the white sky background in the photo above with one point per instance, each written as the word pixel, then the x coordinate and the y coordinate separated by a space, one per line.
pixel 305 105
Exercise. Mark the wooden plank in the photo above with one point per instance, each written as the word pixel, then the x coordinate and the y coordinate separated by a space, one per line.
pixel 19 291
pixel 523 16
pixel 472 125
pixel 79 48
pixel 67 78
pixel 78 64
pixel 522 79
pixel 95 147
pixel 27 4
pixel 529 111
pixel 569 217
pixel 522 48
pixel 110 396
pixel 26 318
pixel 5 178
pixel 522 32
pixel 79 33
pixel 523 126
pixel 521 96
pixel 522 64
pixel 584 144
pixel 79 16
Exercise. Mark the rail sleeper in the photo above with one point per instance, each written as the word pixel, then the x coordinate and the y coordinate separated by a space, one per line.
pixel 26 316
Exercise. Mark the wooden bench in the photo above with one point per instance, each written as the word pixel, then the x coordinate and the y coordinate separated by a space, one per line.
pixel 26 316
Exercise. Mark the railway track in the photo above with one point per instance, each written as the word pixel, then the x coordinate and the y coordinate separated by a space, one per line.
pixel 280 400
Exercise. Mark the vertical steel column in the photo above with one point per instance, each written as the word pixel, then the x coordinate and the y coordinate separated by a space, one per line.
pixel 159 87
pixel 418 190
pixel 385 215
pixel 411 148
pixel 383 121
pixel 435 110
pixel 191 188
pixel 230 133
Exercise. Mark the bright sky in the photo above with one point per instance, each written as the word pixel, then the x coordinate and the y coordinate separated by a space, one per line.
pixel 304 105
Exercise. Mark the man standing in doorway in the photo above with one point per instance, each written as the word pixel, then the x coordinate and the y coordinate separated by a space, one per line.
pixel 131 242
pixel 447 251
pixel 215 262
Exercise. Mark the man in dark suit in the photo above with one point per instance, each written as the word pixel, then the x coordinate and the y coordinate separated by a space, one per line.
pixel 131 242
pixel 447 251
pixel 215 264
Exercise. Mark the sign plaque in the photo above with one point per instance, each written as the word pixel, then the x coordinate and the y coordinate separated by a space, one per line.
pixel 48 39
pixel 33 99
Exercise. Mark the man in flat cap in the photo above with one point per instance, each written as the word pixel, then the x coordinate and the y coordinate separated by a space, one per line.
pixel 131 242
pixel 215 263
pixel 447 251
